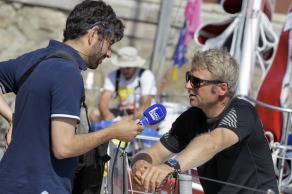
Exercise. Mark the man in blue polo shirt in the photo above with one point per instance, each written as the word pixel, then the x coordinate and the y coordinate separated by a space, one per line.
pixel 42 154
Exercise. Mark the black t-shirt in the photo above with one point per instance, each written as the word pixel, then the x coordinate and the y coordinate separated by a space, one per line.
pixel 247 163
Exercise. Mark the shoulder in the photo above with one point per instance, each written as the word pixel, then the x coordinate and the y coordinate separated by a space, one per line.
pixel 145 71
pixel 241 105
pixel 112 75
pixel 145 74
pixel 191 114
pixel 240 110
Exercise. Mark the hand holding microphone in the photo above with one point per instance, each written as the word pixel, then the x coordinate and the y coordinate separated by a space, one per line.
pixel 153 115
pixel 126 130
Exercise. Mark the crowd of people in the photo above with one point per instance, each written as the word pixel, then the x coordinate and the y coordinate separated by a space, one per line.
pixel 220 135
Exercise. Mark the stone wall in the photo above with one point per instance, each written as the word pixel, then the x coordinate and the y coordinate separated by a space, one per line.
pixel 26 25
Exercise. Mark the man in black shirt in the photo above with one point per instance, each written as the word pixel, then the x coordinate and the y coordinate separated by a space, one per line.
pixel 220 135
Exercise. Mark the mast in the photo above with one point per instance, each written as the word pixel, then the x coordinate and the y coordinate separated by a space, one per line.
pixel 249 45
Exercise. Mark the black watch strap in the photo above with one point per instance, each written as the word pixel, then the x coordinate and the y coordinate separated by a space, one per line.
pixel 174 164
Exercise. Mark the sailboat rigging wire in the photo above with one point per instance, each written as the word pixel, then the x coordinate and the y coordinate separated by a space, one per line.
pixel 231 184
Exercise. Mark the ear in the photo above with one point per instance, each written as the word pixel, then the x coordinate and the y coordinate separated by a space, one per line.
pixel 222 89
pixel 92 35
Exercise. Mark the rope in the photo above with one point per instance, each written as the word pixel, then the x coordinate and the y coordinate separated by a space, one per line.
pixel 170 176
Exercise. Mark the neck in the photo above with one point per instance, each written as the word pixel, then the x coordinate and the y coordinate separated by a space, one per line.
pixel 215 109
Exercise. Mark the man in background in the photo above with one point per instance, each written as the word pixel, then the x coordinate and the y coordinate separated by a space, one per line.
pixel 134 86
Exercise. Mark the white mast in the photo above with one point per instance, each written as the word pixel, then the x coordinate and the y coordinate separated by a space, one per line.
pixel 249 44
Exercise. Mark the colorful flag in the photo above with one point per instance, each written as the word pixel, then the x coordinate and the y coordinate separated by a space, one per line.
pixel 180 49
pixel 192 21
pixel 193 18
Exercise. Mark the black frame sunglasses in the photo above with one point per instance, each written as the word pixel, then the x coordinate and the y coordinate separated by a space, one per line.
pixel 197 82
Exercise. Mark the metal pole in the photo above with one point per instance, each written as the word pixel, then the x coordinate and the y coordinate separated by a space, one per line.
pixel 162 32
pixel 250 42
pixel 185 184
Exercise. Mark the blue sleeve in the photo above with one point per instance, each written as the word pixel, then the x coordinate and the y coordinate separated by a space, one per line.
pixel 7 75
pixel 67 94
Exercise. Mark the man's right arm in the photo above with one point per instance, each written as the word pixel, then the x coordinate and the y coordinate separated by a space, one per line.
pixel 103 105
pixel 7 113
pixel 66 143
pixel 156 154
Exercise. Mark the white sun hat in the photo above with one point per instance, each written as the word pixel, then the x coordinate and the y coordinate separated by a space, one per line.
pixel 127 57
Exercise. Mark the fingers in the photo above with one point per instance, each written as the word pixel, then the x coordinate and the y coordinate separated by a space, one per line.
pixel 150 178
pixel 137 181
pixel 6 145
pixel 138 170
pixel 153 182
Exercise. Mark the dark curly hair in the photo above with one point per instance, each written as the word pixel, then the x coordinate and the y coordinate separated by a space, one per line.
pixel 92 13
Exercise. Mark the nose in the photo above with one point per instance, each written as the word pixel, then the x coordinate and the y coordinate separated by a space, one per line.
pixel 188 85
pixel 109 53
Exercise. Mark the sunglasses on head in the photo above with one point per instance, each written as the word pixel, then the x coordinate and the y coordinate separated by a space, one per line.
pixel 197 82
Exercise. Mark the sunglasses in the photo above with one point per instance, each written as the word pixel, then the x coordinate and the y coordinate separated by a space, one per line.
pixel 197 82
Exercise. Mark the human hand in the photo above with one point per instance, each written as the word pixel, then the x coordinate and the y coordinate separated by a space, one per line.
pixel 8 137
pixel 127 129
pixel 110 116
pixel 152 177
pixel 138 169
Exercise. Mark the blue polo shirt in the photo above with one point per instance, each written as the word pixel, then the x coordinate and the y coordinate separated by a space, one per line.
pixel 54 90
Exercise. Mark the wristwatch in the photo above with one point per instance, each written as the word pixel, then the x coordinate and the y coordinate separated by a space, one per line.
pixel 174 164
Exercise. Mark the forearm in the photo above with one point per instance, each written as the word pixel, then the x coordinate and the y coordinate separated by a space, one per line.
pixel 106 113
pixel 65 143
pixel 157 154
pixel 205 146
pixel 104 109
pixel 79 144
pixel 5 110
pixel 145 103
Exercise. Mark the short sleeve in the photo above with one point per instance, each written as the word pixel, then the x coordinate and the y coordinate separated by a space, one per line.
pixel 7 76
pixel 240 120
pixel 109 81
pixel 148 83
pixel 67 94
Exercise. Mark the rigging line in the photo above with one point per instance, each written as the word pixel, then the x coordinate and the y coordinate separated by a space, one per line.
pixel 283 158
pixel 230 184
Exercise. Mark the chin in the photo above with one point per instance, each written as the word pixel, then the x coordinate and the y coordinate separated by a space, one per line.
pixel 193 103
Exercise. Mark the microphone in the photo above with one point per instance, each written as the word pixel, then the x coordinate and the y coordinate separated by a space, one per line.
pixel 153 115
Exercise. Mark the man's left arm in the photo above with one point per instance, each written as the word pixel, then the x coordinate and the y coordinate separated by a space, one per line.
pixel 145 103
pixel 199 151
pixel 204 147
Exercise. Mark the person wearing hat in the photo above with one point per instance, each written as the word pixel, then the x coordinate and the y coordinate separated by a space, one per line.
pixel 133 85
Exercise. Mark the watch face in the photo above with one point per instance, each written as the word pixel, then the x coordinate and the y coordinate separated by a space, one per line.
pixel 172 163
